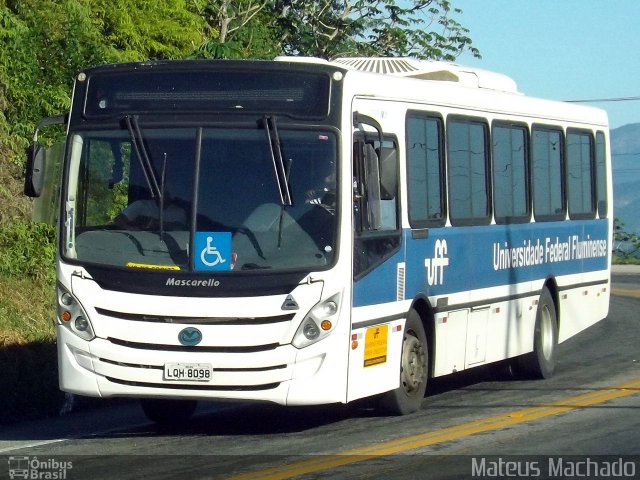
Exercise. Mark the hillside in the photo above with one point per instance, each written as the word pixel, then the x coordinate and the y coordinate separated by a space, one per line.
pixel 626 139
pixel 625 151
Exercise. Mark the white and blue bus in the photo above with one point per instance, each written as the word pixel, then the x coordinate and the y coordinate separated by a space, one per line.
pixel 305 232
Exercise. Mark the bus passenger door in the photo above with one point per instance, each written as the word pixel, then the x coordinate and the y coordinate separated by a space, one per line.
pixel 377 233
pixel 378 268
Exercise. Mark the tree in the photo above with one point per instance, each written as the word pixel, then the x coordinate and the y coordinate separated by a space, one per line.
pixel 236 29
pixel 44 44
pixel 422 29
pixel 138 30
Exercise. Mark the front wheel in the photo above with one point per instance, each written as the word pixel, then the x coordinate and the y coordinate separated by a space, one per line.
pixel 414 370
pixel 541 363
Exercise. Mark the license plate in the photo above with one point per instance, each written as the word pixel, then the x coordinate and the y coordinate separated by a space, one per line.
pixel 187 372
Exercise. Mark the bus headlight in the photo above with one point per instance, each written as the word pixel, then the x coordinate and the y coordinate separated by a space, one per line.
pixel 72 316
pixel 318 323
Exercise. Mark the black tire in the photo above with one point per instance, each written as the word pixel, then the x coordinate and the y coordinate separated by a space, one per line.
pixel 414 370
pixel 168 412
pixel 541 363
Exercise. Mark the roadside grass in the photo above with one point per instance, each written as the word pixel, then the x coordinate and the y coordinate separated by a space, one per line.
pixel 28 360
pixel 626 260
pixel 27 311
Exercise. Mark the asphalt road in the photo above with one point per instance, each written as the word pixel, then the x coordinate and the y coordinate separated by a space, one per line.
pixel 476 424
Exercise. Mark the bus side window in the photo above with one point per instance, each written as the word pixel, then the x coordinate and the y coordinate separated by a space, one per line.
pixel 388 160
pixel 375 203
pixel 601 175
pixel 376 186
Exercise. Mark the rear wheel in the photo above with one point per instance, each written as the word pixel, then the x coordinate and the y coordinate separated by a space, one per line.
pixel 541 363
pixel 414 370
pixel 168 412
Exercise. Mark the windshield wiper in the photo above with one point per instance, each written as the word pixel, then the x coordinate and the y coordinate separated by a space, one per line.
pixel 162 190
pixel 157 190
pixel 280 169
pixel 141 152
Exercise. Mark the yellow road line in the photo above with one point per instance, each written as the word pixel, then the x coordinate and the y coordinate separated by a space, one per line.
pixel 325 462
pixel 625 292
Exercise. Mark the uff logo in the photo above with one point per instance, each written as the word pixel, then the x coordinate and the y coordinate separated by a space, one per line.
pixel 435 266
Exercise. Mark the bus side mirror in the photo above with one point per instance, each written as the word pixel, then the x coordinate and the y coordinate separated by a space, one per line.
pixel 36 155
pixel 34 174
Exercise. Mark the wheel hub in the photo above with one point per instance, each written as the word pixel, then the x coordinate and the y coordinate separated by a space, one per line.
pixel 413 364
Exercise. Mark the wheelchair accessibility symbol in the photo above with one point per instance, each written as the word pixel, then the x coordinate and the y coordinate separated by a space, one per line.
pixel 210 255
pixel 213 251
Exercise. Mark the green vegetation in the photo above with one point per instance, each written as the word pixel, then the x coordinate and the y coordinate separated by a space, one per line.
pixel 626 248
pixel 44 44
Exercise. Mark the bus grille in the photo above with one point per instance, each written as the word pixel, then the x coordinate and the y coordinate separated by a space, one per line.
pixel 196 320
pixel 182 348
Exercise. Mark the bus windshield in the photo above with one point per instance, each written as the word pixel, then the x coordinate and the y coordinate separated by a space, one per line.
pixel 201 199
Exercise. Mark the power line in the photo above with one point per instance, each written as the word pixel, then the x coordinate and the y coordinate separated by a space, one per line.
pixel 615 99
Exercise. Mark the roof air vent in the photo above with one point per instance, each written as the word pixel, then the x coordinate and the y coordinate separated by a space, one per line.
pixel 431 70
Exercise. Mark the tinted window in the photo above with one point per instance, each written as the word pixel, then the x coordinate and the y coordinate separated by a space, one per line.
pixel 376 206
pixel 424 170
pixel 206 90
pixel 227 196
pixel 580 174
pixel 468 182
pixel 510 190
pixel 601 174
pixel 548 198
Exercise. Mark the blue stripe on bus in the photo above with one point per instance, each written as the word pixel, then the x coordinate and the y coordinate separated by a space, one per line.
pixel 457 259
